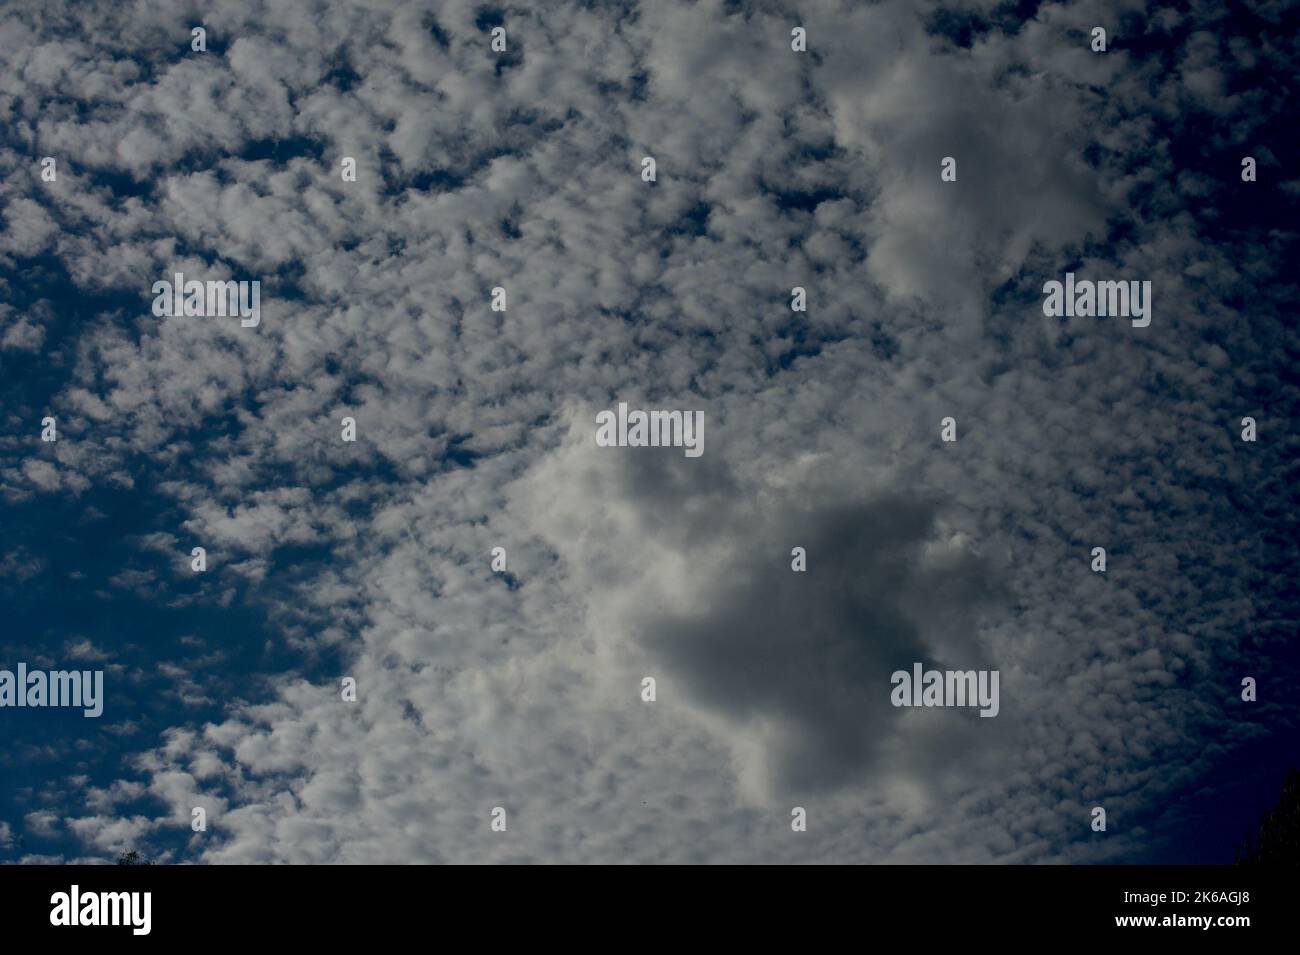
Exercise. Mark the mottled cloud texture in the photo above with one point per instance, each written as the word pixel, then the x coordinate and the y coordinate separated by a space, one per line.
pixel 775 169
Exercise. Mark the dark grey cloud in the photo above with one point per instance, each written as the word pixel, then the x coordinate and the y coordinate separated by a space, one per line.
pixel 812 652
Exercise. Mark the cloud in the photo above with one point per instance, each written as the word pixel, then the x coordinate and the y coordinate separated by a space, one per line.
pixel 693 566
pixel 776 169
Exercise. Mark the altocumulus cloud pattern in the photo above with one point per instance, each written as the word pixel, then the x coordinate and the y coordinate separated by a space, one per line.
pixel 652 432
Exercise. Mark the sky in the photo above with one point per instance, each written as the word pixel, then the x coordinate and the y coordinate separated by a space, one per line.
pixel 522 689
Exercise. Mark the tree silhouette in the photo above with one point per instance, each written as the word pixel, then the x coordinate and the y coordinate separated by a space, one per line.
pixel 133 858
pixel 1277 841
